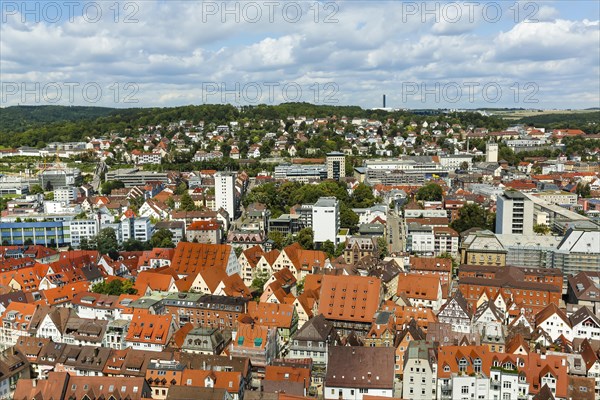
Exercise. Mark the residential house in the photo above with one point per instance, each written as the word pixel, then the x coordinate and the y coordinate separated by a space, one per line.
pixel 419 381
pixel 457 313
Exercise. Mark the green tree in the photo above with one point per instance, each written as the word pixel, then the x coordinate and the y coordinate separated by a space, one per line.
pixel 133 244
pixel 84 244
pixel 106 241
pixel 181 188
pixel 258 283
pixel 473 216
pixel 339 250
pixel 36 189
pixel 383 247
pixel 162 238
pixel 329 248
pixel 306 238
pixel 115 287
pixel 583 190
pixel 186 202
pixel 348 218
pixel 277 238
pixel 238 250
pixel 362 196
pixel 541 229
pixel 108 186
pixel 430 192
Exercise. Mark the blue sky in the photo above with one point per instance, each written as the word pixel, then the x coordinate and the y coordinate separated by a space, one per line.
pixel 420 54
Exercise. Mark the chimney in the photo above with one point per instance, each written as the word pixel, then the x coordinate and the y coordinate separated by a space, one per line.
pixel 384 101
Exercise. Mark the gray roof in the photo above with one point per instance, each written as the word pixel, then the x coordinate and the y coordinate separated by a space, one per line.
pixel 315 329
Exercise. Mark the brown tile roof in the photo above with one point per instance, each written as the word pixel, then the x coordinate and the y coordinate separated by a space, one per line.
pixel 430 264
pixel 62 385
pixel 550 310
pixel 364 367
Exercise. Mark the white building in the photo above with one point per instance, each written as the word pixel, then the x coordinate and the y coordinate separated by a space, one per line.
pixel 468 387
pixel 60 207
pixel 514 213
pixel 491 152
pixel 558 197
pixel 149 158
pixel 420 371
pixel 326 219
pixel 455 161
pixel 225 193
pixel 81 228
pixel 65 194
pixel 420 239
pixel 137 228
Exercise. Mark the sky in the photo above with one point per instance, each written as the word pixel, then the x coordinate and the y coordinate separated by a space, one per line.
pixel 457 55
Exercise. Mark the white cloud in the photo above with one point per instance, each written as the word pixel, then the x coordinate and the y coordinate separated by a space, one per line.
pixel 175 47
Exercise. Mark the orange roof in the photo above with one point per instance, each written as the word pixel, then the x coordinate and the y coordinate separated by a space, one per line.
pixel 158 279
pixel 211 225
pixel 423 315
pixel 178 337
pixel 349 298
pixel 149 328
pixel 155 253
pixel 251 335
pixel 235 286
pixel 271 256
pixel 22 314
pixel 417 286
pixel 253 255
pixel 271 314
pixel 191 258
pixel 64 294
pixel 228 380
pixel 292 374
pixel 28 278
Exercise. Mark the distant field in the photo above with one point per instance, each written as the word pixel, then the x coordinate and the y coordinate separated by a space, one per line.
pixel 518 114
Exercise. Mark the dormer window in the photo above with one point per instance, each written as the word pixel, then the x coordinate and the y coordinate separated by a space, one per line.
pixel 462 364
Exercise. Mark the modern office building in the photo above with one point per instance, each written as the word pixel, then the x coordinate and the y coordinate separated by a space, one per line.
pixel 300 173
pixel 514 213
pixel 135 177
pixel 336 165
pixel 51 234
pixel 59 177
